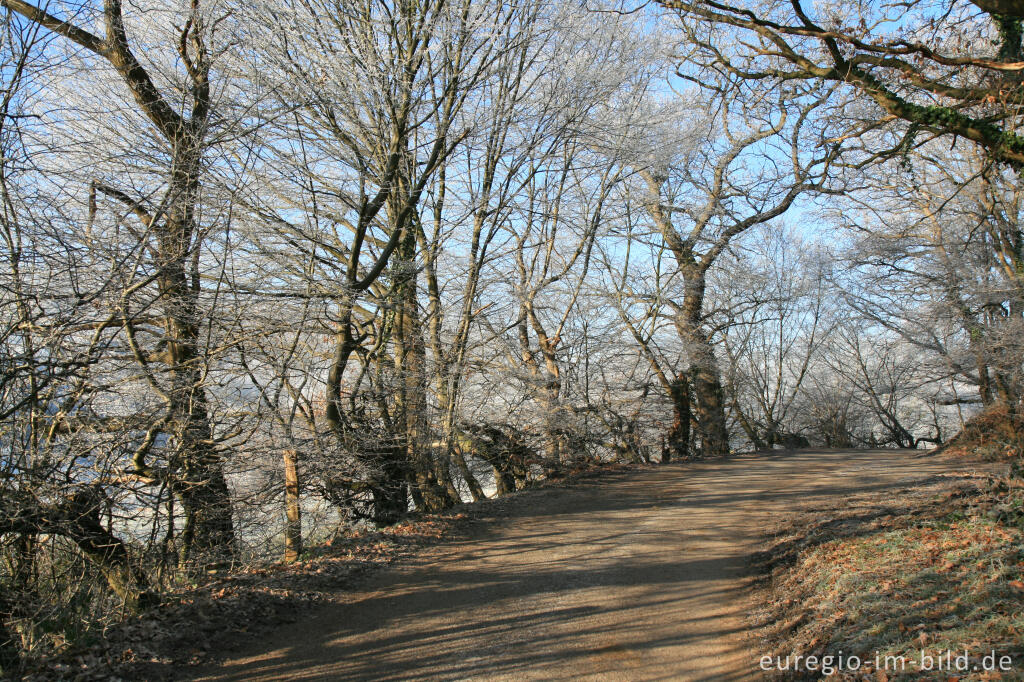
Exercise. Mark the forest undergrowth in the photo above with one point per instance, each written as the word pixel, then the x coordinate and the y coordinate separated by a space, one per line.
pixel 198 621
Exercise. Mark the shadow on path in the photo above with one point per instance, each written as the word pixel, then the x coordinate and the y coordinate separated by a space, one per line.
pixel 639 575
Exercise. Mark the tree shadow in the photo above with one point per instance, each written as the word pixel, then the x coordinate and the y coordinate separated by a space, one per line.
pixel 522 597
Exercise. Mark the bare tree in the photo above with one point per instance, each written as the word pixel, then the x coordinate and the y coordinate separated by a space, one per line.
pixel 772 337
pixel 936 261
pixel 385 118
pixel 727 185
pixel 168 226
pixel 951 70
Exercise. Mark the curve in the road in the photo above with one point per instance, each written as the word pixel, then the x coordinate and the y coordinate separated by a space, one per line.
pixel 639 575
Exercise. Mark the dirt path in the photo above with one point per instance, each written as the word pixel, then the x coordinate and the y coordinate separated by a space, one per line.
pixel 639 575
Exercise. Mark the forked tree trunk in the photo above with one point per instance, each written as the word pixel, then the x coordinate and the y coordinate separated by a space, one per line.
pixel 429 493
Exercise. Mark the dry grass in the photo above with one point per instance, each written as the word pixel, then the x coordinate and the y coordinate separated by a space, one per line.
pixel 995 434
pixel 197 621
pixel 935 568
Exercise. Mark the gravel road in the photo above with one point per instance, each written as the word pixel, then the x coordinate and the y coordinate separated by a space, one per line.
pixel 634 575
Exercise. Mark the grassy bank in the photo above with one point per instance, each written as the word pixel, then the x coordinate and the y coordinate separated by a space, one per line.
pixel 899 580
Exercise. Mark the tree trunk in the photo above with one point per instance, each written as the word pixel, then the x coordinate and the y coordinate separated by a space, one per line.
pixel 504 481
pixel 448 365
pixel 678 444
pixel 10 648
pixel 555 447
pixel 208 534
pixel 293 512
pixel 200 484
pixel 443 472
pixel 410 364
pixel 708 406
pixel 77 517
pixel 391 493
pixel 984 382
pixel 475 490
pixel 748 428
pixel 194 471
